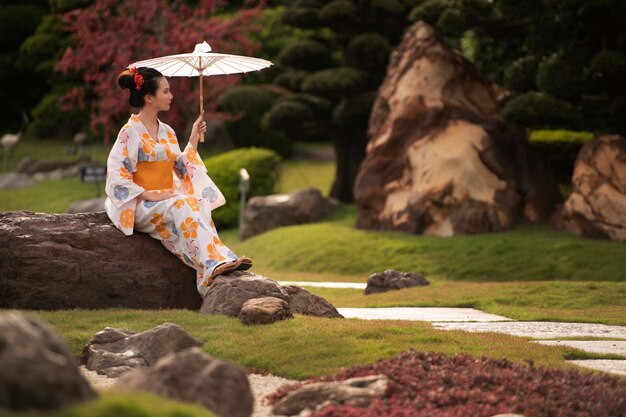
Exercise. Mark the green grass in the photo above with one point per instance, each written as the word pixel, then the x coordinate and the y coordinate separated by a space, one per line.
pixel 527 253
pixel 305 346
pixel 139 404
pixel 48 196
pixel 296 175
pixel 597 302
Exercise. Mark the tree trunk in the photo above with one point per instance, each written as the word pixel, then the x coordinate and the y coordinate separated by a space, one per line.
pixel 350 152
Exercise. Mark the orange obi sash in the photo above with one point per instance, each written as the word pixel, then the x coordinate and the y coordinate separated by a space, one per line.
pixel 155 175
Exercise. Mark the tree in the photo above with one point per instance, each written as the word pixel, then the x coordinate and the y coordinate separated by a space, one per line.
pixel 326 77
pixel 563 61
pixel 111 34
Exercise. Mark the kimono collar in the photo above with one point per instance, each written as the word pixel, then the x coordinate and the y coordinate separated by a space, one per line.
pixel 136 123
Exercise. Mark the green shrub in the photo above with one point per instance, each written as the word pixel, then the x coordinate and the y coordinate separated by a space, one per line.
pixel 389 6
pixel 335 83
pixel 287 115
pixel 354 112
pixel 249 103
pixel 539 110
pixel 369 52
pixel 340 15
pixel 321 107
pixel 306 54
pixel 521 75
pixel 49 121
pixel 428 11
pixel 560 149
pixel 561 75
pixel 140 404
pixel 291 80
pixel 301 17
pixel 261 164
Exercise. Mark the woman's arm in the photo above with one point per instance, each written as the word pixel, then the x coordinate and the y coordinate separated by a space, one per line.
pixel 198 128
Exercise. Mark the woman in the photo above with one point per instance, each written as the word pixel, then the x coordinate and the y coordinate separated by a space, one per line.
pixel 154 188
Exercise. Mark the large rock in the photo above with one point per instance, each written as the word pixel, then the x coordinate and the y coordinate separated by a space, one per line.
pixel 192 376
pixel 264 310
pixel 440 161
pixel 391 279
pixel 62 261
pixel 37 369
pixel 303 302
pixel 113 352
pixel 597 205
pixel 356 392
pixel 272 211
pixel 227 294
pixel 15 180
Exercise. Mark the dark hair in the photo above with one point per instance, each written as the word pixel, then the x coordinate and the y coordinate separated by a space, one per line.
pixel 150 84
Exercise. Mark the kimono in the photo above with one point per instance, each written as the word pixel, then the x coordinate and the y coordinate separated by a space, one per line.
pixel 182 223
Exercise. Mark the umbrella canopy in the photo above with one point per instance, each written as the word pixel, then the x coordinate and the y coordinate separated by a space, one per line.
pixel 202 62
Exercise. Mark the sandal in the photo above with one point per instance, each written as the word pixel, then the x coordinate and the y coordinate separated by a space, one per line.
pixel 244 263
pixel 224 269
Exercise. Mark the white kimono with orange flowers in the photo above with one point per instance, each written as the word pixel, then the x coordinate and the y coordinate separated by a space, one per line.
pixel 183 223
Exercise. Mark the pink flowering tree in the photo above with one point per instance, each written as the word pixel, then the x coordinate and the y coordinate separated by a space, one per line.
pixel 111 34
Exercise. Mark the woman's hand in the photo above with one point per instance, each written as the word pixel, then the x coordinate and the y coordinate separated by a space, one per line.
pixel 199 127
pixel 157 196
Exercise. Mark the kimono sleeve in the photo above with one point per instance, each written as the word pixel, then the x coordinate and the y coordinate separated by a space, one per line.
pixel 119 185
pixel 192 172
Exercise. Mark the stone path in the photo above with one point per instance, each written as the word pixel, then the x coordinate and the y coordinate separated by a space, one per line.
pixel 472 320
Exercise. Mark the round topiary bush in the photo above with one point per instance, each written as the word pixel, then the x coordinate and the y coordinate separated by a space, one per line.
pixel 354 112
pixel 561 75
pixel 540 110
pixel 607 70
pixel 369 52
pixel 291 80
pixel 322 108
pixel 340 15
pixel 428 11
pixel 306 54
pixel 301 17
pixel 263 165
pixel 335 83
pixel 521 75
pixel 287 115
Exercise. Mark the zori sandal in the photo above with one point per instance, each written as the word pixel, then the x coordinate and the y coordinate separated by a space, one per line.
pixel 244 263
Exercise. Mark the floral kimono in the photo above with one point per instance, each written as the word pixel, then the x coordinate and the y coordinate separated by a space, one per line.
pixel 182 223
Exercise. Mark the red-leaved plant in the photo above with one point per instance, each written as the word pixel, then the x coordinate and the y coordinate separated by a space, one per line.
pixel 111 34
pixel 436 385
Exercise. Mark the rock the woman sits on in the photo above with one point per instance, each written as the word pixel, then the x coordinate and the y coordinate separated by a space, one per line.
pixel 154 188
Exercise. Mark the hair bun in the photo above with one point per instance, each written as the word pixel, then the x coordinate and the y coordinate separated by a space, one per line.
pixel 126 80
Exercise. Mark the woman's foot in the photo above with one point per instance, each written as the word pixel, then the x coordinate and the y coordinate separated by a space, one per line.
pixel 225 268
pixel 244 263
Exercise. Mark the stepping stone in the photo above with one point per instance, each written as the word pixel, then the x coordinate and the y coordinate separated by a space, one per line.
pixel 593 346
pixel 541 329
pixel 432 314
pixel 613 366
pixel 355 285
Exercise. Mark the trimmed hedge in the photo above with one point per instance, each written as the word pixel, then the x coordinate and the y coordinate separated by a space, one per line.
pixel 335 83
pixel 263 165
pixel 540 110
pixel 560 149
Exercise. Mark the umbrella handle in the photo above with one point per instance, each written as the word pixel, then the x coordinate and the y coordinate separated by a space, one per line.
pixel 201 105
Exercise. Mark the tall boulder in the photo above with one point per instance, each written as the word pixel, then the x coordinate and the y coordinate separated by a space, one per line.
pixel 440 161
pixel 597 205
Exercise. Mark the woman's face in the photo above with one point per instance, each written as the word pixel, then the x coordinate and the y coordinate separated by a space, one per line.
pixel 162 98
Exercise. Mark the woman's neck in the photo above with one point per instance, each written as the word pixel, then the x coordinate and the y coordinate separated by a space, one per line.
pixel 148 117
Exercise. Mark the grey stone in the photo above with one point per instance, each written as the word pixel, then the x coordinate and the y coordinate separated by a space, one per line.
pixel 15 180
pixel 113 352
pixel 37 370
pixel 303 302
pixel 192 376
pixel 357 392
pixel 391 279
pixel 264 310
pixel 227 294
pixel 87 206
pixel 272 211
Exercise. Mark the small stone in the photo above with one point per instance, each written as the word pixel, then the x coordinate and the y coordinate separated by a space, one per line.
pixel 391 279
pixel 264 310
